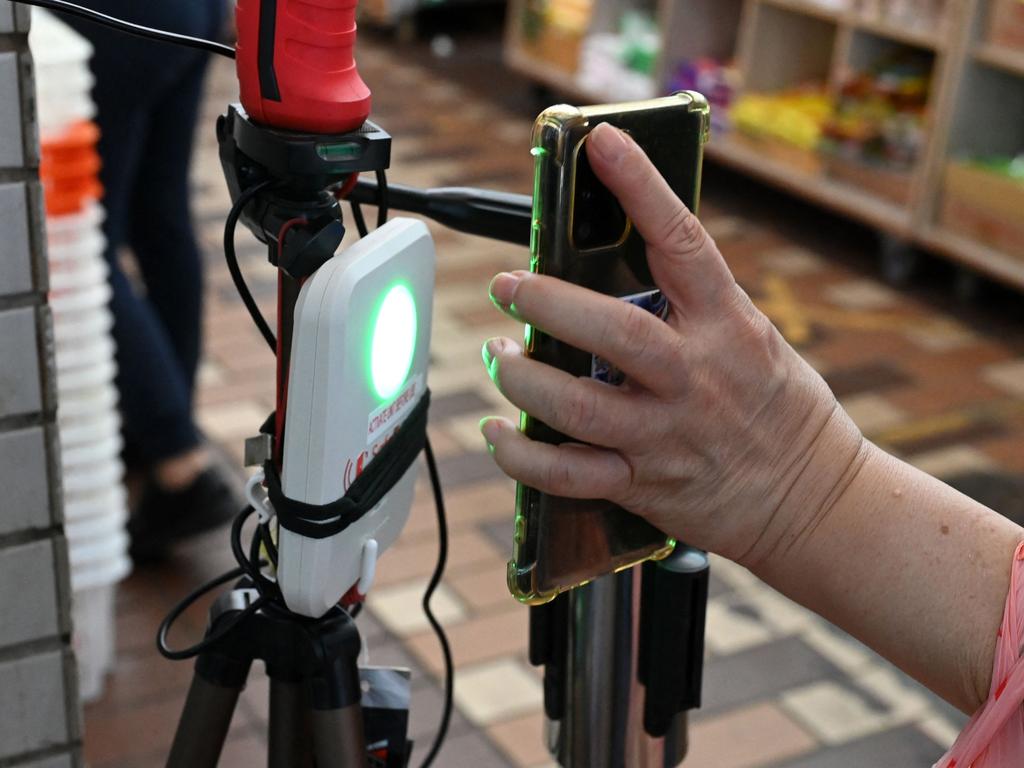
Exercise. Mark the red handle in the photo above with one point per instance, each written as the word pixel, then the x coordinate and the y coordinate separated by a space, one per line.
pixel 295 65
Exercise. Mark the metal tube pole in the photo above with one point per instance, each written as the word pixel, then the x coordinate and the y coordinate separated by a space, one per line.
pixel 338 737
pixel 290 734
pixel 603 723
pixel 203 726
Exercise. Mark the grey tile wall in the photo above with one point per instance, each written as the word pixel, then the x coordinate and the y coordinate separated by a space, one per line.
pixel 15 245
pixel 23 472
pixel 32 700
pixel 39 714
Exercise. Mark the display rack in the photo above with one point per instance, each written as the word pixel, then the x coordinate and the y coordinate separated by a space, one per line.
pixel 975 105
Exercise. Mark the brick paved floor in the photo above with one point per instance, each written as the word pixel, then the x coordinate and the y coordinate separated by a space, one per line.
pixel 940 382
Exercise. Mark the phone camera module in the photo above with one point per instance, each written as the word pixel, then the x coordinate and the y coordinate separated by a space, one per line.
pixel 598 221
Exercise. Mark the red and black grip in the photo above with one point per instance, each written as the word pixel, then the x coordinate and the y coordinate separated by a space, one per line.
pixel 296 69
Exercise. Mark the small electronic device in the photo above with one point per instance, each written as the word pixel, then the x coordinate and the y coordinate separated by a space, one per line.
pixel 582 235
pixel 358 369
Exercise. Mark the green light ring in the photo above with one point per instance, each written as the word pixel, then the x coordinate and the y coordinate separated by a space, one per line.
pixel 394 329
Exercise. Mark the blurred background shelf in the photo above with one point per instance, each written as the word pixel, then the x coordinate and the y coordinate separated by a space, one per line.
pixel 879 109
pixel 814 187
pixel 1001 57
pixel 916 36
pixel 824 10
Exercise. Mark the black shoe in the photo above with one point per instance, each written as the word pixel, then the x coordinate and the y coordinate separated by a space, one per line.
pixel 163 518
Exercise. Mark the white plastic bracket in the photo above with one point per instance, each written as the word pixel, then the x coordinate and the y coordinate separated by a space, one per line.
pixel 368 570
pixel 254 495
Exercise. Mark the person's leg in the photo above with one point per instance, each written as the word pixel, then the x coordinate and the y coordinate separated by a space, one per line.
pixel 184 493
pixel 153 392
pixel 161 234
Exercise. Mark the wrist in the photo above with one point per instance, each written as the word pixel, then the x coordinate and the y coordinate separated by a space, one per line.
pixel 810 489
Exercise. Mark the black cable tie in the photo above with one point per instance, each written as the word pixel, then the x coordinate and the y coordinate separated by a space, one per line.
pixel 320 521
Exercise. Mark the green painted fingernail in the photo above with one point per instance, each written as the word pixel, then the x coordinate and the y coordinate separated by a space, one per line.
pixel 490 428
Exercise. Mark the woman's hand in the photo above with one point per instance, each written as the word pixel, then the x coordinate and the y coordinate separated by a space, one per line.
pixel 722 436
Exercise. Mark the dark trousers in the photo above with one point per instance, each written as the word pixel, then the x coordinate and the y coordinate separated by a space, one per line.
pixel 148 96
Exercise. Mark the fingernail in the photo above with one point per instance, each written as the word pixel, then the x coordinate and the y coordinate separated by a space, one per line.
pixel 489 428
pixel 503 289
pixel 608 142
pixel 491 349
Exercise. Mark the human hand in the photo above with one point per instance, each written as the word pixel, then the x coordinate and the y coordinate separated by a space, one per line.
pixel 722 435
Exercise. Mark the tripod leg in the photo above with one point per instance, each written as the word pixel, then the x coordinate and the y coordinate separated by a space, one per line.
pixel 338 738
pixel 203 725
pixel 290 736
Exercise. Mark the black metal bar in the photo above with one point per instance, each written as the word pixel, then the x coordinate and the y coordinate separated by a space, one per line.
pixel 203 726
pixel 338 737
pixel 494 215
pixel 290 732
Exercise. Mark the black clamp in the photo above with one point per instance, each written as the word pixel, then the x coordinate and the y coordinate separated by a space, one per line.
pixel 673 610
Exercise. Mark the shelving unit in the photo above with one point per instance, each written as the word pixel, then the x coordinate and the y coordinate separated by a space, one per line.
pixel 975 104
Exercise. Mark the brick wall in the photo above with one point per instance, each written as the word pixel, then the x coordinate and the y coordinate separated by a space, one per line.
pixel 39 717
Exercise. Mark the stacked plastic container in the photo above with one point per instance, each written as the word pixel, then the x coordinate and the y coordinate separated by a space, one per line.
pixel 95 507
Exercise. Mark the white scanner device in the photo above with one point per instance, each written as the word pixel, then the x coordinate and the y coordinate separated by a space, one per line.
pixel 359 358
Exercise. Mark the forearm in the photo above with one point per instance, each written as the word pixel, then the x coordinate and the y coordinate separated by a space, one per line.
pixel 911 567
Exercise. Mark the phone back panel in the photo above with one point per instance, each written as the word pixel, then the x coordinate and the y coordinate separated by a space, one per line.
pixel 561 543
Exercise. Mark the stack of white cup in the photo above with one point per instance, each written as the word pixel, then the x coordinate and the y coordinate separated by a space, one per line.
pixel 95 508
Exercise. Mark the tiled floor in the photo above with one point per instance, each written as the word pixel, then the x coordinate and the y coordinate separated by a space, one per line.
pixel 938 382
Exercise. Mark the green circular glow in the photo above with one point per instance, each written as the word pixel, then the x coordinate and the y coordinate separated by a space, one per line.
pixel 394 342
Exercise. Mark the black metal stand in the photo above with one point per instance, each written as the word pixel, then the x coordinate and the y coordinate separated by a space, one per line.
pixel 315 717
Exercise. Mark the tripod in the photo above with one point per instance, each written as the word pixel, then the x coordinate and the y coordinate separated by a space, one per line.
pixel 315 717
pixel 285 188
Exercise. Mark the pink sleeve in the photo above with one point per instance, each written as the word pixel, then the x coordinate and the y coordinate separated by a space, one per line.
pixel 994 738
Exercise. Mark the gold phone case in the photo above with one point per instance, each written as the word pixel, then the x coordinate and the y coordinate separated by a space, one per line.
pixel 561 543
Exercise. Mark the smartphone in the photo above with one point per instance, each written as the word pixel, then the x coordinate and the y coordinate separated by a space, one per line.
pixel 582 235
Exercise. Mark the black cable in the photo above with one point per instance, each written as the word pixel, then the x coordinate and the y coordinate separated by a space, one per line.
pixel 62 6
pixel 253 563
pixel 245 568
pixel 382 197
pixel 206 642
pixel 232 260
pixel 435 580
pixel 268 543
pixel 360 220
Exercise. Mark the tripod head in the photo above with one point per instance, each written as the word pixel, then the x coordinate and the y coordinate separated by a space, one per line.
pixel 300 170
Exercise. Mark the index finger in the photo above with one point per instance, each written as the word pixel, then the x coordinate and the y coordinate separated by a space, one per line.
pixel 641 345
pixel 684 260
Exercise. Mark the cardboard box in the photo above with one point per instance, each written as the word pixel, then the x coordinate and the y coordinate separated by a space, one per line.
pixel 1006 23
pixel 984 206
pixel 555 46
pixel 798 159
pixel 877 181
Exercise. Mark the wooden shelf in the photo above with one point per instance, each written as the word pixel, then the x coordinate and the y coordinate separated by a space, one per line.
pixel 975 107
pixel 817 188
pixel 974 254
pixel 544 73
pixel 809 8
pixel 927 39
pixel 1001 57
